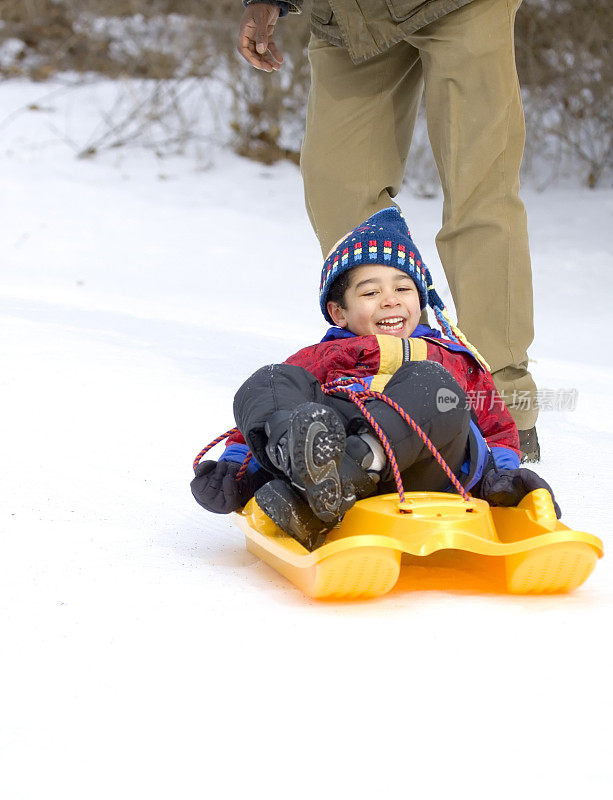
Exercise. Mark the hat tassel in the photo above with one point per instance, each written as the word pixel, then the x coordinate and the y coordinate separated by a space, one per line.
pixel 455 333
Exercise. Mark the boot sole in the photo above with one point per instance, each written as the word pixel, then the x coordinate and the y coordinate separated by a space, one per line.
pixel 316 445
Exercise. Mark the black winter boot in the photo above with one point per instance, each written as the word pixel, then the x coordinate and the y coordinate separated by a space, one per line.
pixel 286 508
pixel 309 448
pixel 529 446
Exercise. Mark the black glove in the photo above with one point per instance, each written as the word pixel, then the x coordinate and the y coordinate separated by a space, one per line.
pixel 215 486
pixel 508 487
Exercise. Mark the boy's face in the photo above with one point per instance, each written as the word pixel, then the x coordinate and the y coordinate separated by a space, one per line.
pixel 378 299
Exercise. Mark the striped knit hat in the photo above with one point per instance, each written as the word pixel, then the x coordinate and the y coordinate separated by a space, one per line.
pixel 385 239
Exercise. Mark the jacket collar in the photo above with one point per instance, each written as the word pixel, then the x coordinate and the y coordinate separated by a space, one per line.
pixel 342 333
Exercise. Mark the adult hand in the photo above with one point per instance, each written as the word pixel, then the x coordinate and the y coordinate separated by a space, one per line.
pixel 255 39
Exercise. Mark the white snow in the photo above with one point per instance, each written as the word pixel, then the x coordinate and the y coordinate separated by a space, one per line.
pixel 145 653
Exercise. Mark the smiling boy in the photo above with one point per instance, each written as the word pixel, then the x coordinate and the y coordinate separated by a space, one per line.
pixel 315 454
pixel 374 299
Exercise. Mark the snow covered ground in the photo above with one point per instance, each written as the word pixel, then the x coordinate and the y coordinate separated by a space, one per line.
pixel 145 653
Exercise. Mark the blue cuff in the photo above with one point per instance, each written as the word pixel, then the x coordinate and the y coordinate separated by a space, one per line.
pixel 238 452
pixel 283 8
pixel 477 458
pixel 505 458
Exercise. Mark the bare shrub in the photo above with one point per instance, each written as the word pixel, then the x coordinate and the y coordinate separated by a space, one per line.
pixel 566 71
pixel 164 41
pixel 114 38
pixel 164 116
pixel 269 110
pixel 563 53
pixel 48 39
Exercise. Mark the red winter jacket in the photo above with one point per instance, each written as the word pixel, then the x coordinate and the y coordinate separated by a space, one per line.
pixel 377 357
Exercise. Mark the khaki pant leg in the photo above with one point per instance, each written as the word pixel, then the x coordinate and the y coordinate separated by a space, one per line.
pixel 476 128
pixel 360 121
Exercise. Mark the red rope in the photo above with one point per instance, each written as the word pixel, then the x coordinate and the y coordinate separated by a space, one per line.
pixel 341 386
pixel 244 466
pixel 212 444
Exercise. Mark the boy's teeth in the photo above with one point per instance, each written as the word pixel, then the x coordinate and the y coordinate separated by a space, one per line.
pixel 392 322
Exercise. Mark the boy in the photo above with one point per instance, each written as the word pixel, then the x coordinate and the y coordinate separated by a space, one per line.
pixel 315 453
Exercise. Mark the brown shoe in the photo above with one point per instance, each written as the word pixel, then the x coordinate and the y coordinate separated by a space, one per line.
pixel 529 446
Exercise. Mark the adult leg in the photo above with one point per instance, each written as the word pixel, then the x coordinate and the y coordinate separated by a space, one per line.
pixel 476 128
pixel 360 121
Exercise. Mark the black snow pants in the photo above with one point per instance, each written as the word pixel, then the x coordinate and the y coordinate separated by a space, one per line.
pixel 424 389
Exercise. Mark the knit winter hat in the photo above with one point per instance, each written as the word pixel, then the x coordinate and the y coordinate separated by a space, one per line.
pixel 384 238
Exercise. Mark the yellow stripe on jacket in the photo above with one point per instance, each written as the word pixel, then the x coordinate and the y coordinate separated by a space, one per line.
pixel 393 354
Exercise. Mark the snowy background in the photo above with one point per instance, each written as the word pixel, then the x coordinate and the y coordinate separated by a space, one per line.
pixel 145 653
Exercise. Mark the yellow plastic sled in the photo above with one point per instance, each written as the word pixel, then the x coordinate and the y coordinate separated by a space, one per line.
pixel 361 557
